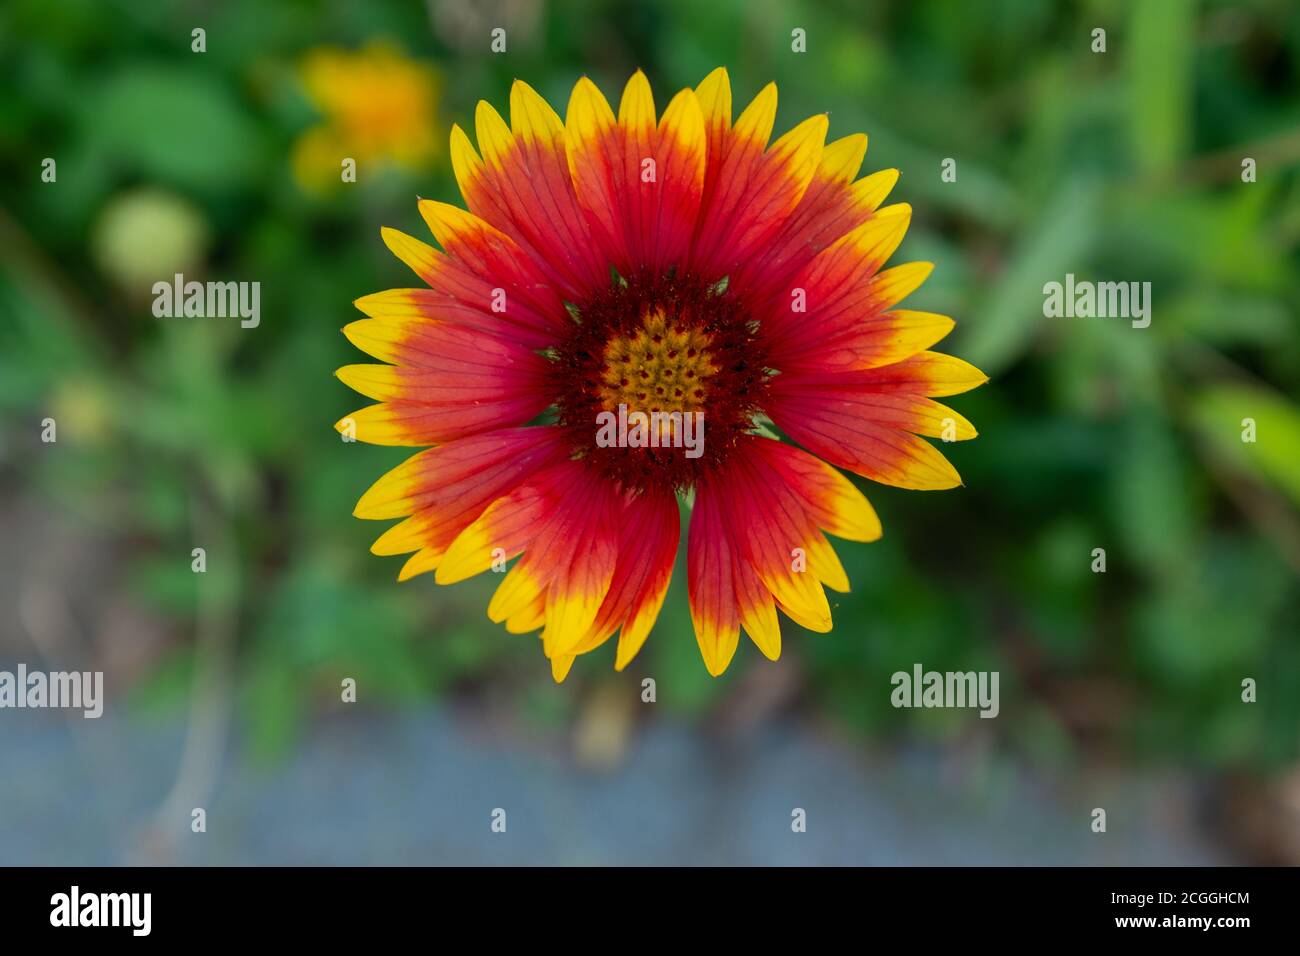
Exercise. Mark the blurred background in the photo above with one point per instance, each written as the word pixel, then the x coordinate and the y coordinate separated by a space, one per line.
pixel 1120 690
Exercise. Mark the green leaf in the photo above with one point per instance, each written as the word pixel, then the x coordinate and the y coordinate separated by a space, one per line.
pixel 1159 60
pixel 1008 320
pixel 1150 488
pixel 1224 414
pixel 175 125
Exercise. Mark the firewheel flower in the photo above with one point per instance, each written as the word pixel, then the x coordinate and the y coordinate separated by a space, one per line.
pixel 615 278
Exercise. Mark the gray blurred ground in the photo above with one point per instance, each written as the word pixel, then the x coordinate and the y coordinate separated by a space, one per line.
pixel 366 786
pixel 421 788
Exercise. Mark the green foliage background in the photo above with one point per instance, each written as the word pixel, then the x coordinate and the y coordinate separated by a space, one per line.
pixel 1117 166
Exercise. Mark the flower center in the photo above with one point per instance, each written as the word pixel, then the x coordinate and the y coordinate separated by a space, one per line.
pixel 678 345
pixel 661 368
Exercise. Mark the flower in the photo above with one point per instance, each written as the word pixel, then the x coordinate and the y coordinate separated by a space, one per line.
pixel 377 106
pixel 679 264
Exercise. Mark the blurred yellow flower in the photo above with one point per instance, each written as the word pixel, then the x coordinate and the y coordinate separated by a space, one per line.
pixel 378 106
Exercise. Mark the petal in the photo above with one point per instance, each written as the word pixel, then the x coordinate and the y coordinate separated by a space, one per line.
pixel 927 373
pixel 411 424
pixel 714 95
pixel 495 258
pixel 636 123
pixel 447 488
pixel 894 402
pixel 771 524
pixel 435 477
pixel 870 191
pixel 522 186
pixel 455 382
pixel 833 314
pixel 467 296
pixel 832 501
pixel 842 159
pixel 849 426
pixel 709 582
pixel 528 619
pixel 894 285
pixel 649 530
pixel 756 608
pixel 564 522
pixel 825 564
pixel 432 355
pixel 754 190
pixel 831 207
pixel 640 185
pixel 836 287
pixel 421 304
pixel 680 144
pixel 757 538
pixel 596 165
pixel 580 549
pixel 560 665
pixel 500 533
pixel 521 594
pixel 864 343
pixel 754 126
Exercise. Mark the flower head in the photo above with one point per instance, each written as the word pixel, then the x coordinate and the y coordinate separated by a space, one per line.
pixel 376 104
pixel 641 270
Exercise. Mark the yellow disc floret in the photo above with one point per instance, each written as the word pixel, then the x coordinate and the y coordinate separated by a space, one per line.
pixel 660 368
